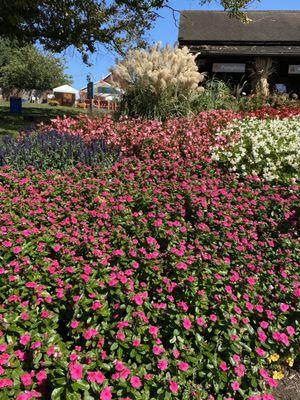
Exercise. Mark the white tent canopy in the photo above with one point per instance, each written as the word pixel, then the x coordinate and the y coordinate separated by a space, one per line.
pixel 65 89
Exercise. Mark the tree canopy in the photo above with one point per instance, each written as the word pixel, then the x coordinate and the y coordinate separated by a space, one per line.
pixel 57 24
pixel 27 68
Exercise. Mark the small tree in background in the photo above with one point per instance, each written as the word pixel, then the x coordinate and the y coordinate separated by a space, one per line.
pixel 26 68
pixel 158 83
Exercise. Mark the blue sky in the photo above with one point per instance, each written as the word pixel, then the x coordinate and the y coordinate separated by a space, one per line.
pixel 164 30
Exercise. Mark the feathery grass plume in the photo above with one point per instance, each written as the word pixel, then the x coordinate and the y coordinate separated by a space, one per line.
pixel 158 82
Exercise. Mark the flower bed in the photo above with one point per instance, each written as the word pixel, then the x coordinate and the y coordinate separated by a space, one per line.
pixel 156 279
pixel 268 148
pixel 181 137
pixel 53 150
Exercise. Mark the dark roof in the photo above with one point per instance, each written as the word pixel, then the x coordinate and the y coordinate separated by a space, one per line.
pixel 270 27
pixel 236 50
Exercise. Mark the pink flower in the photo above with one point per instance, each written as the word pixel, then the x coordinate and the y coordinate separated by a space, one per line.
pixel 162 365
pixel 35 345
pixel 187 323
pixel 136 342
pixel 17 250
pixel 183 366
pixel 261 336
pixel 106 394
pixel 24 339
pixel 124 374
pixel 157 350
pixel 41 376
pixel 223 366
pixel 96 305
pixel 290 330
pixel 135 382
pixel 173 386
pixel 119 366
pixel 284 307
pixel 90 333
pixel 239 370
pixel 213 317
pixel 26 379
pixel 56 248
pixel 75 371
pixel 260 351
pixel 264 324
pixel 5 382
pixel 153 330
pixel 236 358
pixel 263 373
pixel 120 336
pixel 95 376
pixel 176 353
pixel 235 385
pixel 200 321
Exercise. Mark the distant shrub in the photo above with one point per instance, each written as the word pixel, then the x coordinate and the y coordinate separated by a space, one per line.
pixel 53 150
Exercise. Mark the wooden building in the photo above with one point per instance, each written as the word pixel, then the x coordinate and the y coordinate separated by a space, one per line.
pixel 234 51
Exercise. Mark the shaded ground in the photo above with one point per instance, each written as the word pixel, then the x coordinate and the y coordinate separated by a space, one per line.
pixel 289 387
pixel 33 114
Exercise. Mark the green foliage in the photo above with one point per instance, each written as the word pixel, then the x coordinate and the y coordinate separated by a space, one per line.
pixel 84 23
pixel 27 68
pixel 140 102
pixel 215 96
pixel 235 8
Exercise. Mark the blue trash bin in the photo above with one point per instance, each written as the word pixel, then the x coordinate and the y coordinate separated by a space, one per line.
pixel 15 105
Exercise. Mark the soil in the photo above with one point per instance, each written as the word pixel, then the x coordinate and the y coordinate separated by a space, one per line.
pixel 289 387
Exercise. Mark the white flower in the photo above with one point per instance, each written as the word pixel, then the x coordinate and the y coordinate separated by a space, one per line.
pixel 265 147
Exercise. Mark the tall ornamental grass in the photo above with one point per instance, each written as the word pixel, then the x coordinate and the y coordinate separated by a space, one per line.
pixel 159 82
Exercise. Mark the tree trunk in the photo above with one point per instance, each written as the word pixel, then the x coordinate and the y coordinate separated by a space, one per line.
pixel 261 71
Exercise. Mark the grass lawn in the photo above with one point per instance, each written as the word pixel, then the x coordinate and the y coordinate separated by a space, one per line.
pixel 33 114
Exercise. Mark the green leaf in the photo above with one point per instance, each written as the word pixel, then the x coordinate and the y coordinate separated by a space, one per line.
pixel 56 394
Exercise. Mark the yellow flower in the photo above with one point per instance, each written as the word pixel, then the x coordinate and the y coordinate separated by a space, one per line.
pixel 278 375
pixel 273 358
pixel 290 361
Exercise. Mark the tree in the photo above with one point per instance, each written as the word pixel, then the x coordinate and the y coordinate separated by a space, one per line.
pixel 27 68
pixel 57 24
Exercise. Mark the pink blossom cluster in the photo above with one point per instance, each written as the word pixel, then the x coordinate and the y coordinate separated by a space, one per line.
pixel 156 278
pixel 180 137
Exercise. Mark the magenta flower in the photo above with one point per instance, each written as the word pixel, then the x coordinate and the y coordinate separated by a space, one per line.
pixel 135 382
pixel 106 394
pixel 223 366
pixel 173 386
pixel 235 385
pixel 75 371
pixel 186 323
pixel 162 365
